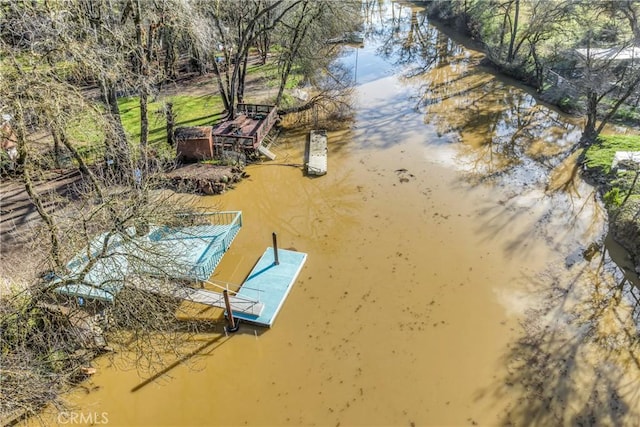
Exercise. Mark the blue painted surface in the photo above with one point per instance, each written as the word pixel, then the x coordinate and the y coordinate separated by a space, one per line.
pixel 270 284
pixel 106 293
pixel 190 253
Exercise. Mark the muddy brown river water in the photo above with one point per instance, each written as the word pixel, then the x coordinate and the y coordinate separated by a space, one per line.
pixel 444 283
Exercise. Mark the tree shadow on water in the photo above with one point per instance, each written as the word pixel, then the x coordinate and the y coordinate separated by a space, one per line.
pixel 577 361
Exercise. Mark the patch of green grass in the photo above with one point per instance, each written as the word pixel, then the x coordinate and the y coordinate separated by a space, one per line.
pixel 86 130
pixel 271 73
pixel 613 197
pixel 625 114
pixel 188 110
pixel 88 135
pixel 214 162
pixel 287 101
pixel 567 103
pixel 270 68
pixel 600 155
pixel 294 80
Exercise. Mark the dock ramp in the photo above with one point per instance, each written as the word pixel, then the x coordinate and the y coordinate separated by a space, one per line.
pixel 260 297
pixel 240 305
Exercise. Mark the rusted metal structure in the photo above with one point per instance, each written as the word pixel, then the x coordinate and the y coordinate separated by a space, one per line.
pixel 194 143
pixel 244 134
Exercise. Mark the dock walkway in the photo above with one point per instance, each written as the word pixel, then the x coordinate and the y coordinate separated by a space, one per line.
pixel 266 152
pixel 239 304
pixel 260 297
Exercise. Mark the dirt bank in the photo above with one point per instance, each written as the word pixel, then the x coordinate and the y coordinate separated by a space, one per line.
pixel 624 223
pixel 203 178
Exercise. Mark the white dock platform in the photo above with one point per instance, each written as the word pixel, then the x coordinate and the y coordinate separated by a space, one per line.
pixel 625 157
pixel 317 163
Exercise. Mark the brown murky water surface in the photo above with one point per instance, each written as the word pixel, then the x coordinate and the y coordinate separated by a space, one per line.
pixel 443 286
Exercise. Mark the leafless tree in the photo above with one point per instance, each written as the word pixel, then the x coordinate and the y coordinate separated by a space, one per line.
pixel 236 29
pixel 304 33
pixel 610 76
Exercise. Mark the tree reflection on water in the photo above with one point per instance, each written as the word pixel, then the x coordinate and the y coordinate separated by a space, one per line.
pixel 577 361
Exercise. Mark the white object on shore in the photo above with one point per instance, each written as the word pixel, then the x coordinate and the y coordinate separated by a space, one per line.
pixel 625 156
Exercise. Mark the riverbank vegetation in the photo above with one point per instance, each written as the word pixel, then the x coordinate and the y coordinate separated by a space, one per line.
pixel 619 186
pixel 583 57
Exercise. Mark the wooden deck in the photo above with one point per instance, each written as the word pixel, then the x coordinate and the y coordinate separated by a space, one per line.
pixel 317 160
pixel 244 134
pixel 247 130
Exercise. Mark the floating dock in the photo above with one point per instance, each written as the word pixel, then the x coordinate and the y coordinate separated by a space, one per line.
pixel 187 253
pixel 162 260
pixel 317 161
pixel 270 284
pixel 260 297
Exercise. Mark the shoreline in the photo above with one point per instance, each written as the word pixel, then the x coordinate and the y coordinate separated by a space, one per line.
pixel 617 229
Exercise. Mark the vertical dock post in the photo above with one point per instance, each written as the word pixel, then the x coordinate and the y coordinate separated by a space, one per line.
pixel 233 326
pixel 275 248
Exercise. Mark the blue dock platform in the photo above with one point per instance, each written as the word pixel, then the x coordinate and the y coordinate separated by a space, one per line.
pixel 270 284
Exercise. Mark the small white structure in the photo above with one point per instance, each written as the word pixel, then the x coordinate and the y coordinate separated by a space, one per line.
pixel 611 54
pixel 302 95
pixel 622 157
pixel 317 164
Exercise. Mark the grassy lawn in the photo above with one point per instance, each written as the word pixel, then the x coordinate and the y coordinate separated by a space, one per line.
pixel 600 155
pixel 87 132
pixel 188 110
pixel 272 74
